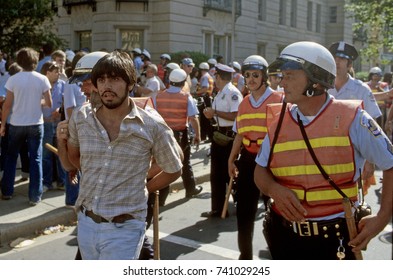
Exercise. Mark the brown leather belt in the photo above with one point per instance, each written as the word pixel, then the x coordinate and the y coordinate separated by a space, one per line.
pixel 98 219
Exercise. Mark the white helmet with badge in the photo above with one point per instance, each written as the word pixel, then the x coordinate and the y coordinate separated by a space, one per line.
pixel 313 58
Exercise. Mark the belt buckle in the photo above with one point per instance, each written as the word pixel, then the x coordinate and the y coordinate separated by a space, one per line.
pixel 304 228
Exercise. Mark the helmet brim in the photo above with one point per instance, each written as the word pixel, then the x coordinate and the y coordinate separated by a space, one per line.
pixel 79 78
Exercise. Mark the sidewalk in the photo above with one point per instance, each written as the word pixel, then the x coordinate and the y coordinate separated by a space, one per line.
pixel 19 219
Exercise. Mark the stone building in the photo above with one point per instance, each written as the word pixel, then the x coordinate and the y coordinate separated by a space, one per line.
pixel 212 27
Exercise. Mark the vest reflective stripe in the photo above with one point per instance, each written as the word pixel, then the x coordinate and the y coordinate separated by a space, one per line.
pixel 315 143
pixel 173 109
pixel 292 165
pixel 251 122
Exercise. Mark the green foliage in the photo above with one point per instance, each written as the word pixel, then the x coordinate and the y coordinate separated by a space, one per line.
pixel 26 23
pixel 197 57
pixel 373 26
pixel 363 76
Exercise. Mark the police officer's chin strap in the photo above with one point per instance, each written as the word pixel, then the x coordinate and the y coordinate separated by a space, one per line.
pixel 312 90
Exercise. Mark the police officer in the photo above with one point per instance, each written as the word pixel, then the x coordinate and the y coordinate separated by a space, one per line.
pixel 178 109
pixel 250 127
pixel 224 110
pixel 205 95
pixel 347 87
pixel 306 218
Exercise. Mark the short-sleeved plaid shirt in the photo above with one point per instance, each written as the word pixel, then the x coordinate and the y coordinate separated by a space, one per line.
pixel 114 173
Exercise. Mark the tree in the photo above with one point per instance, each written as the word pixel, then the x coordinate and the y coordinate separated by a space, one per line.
pixel 373 26
pixel 27 23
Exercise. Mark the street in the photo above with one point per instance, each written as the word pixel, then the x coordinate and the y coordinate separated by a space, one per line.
pixel 184 235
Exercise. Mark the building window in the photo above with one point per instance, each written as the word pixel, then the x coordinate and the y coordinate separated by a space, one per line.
pixel 293 13
pixel 262 10
pixel 318 19
pixel 283 12
pixel 333 14
pixel 84 38
pixel 215 45
pixel 261 49
pixel 131 39
pixel 309 16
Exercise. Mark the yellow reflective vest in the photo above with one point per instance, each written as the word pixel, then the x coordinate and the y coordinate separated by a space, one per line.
pixel 251 121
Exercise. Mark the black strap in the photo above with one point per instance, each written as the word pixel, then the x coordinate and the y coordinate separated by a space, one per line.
pixel 317 163
pixel 280 120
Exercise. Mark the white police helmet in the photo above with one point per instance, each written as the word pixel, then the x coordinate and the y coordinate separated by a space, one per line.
pixel 166 56
pixel 84 66
pixel 236 65
pixel 255 62
pixel 172 66
pixel 204 66
pixel 376 70
pixel 177 76
pixel 313 58
pixel 212 61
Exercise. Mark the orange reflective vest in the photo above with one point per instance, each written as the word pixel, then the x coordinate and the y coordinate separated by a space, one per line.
pixel 380 87
pixel 211 83
pixel 293 167
pixel 173 109
pixel 251 121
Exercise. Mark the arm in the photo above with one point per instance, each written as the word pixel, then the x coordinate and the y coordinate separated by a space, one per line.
pixel 47 99
pixel 371 225
pixel 210 112
pixel 237 143
pixel 195 125
pixel 285 200
pixel 161 180
pixel 389 120
pixel 7 106
pixel 383 95
pixel 66 152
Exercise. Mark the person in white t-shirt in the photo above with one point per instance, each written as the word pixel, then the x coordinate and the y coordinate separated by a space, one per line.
pixel 152 85
pixel 27 92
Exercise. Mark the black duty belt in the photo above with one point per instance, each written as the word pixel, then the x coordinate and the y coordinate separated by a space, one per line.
pixel 321 228
pixel 98 219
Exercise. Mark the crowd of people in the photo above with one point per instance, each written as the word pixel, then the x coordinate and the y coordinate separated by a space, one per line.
pixel 277 130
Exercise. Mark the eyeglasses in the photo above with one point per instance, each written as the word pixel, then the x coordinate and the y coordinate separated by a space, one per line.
pixel 253 74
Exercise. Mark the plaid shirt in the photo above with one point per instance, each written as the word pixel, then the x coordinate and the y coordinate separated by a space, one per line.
pixel 114 173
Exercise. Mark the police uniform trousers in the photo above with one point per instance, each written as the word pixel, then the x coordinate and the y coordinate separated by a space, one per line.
pixel 313 240
pixel 247 197
pixel 206 127
pixel 187 173
pixel 219 177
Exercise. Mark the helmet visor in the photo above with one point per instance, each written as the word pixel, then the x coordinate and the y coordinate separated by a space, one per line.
pixel 79 78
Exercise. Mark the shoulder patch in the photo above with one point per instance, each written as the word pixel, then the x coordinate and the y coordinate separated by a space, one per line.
pixel 235 97
pixel 371 125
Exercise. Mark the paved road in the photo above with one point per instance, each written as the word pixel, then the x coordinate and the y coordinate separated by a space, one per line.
pixel 186 236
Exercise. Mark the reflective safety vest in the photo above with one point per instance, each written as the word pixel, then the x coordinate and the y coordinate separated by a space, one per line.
pixel 251 121
pixel 173 109
pixel 293 167
pixel 380 87
pixel 143 102
pixel 211 84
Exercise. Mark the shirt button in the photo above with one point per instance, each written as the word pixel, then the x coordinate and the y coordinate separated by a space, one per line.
pixel 96 197
pixel 106 164
pixel 100 181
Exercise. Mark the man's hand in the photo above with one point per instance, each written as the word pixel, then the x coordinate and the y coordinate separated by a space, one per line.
pixel 62 132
